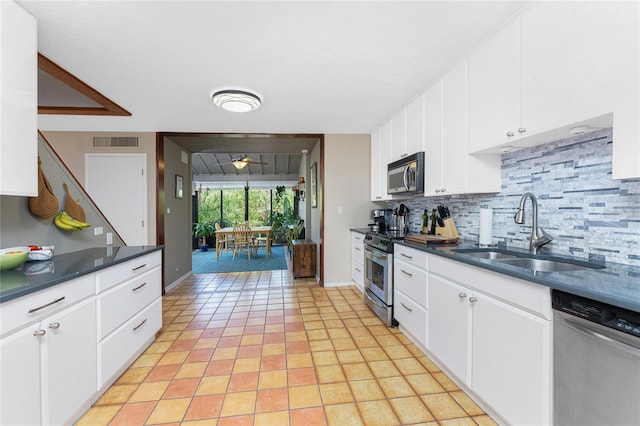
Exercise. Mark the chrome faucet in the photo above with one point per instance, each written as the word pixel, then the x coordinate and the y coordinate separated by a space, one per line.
pixel 536 240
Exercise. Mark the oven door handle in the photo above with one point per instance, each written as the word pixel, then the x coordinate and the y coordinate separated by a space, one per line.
pixel 375 302
pixel 371 254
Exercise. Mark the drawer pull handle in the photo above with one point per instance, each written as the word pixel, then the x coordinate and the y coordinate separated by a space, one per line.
pixel 139 325
pixel 406 307
pixel 462 295
pixel 473 299
pixel 54 325
pixel 406 273
pixel 358 269
pixel 39 333
pixel 139 287
pixel 47 305
pixel 358 248
pixel 139 267
pixel 406 255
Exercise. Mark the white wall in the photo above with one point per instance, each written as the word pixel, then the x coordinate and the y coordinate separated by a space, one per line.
pixel 347 184
pixel 71 147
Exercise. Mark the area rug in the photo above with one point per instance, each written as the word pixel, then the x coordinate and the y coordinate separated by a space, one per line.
pixel 206 263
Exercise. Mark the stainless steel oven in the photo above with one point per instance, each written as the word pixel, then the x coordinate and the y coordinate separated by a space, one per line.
pixel 378 276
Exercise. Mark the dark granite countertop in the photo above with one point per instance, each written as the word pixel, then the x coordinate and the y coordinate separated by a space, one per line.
pixel 38 275
pixel 616 284
pixel 360 230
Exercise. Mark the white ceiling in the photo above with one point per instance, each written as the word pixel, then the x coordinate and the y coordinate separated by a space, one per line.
pixel 320 66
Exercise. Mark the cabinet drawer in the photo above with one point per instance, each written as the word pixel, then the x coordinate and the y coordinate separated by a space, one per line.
pixel 357 254
pixel 357 273
pixel 412 318
pixel 356 238
pixel 116 351
pixel 118 304
pixel 412 281
pixel 113 276
pixel 412 256
pixel 33 307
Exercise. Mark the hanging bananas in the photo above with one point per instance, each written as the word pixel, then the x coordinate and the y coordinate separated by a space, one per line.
pixel 65 222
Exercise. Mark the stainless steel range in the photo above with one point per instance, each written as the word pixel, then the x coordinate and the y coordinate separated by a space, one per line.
pixel 378 275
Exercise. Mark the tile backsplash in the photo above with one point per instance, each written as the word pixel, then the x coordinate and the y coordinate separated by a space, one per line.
pixel 589 214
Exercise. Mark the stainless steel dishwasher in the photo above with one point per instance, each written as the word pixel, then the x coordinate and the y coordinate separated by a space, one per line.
pixel 596 363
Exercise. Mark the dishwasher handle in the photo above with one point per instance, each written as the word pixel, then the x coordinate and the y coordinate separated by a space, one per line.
pixel 571 322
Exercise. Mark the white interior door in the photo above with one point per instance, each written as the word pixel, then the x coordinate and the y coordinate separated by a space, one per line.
pixel 117 184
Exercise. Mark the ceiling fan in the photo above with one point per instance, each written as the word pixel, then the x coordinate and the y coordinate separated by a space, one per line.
pixel 242 161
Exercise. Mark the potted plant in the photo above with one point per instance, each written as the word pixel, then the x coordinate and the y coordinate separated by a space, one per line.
pixel 293 233
pixel 202 230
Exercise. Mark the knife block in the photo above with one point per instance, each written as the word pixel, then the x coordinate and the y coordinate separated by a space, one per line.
pixel 449 229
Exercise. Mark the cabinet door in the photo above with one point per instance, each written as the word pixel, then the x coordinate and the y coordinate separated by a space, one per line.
pixel 69 361
pixel 398 135
pixel 570 53
pixel 450 325
pixel 454 130
pixel 433 140
pixel 20 372
pixel 511 367
pixel 19 112
pixel 414 139
pixel 494 89
pixel 377 171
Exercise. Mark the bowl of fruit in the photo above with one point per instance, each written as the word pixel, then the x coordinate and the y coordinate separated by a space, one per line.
pixel 12 257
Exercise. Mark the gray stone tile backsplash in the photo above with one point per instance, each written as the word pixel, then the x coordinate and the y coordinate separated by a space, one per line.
pixel 589 214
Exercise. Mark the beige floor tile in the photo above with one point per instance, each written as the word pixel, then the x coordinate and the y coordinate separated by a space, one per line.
pixel 397 351
pixel 445 382
pixel 273 349
pixel 246 365
pixel 349 356
pixel 484 420
pixel 357 371
pixel 98 416
pixel 443 406
pixel 151 391
pixel 117 394
pixel 378 413
pixel 366 390
pixel 133 375
pixel 212 385
pixel 191 370
pixel 272 379
pixel 169 410
pixel 467 404
pixel 238 403
pixel 344 344
pixel 149 360
pixel 343 415
pixel 424 384
pixel 396 387
pixel 374 354
pixel 336 393
pixel 462 421
pixel 383 369
pixel 325 358
pixel 409 366
pixel 304 396
pixel 330 374
pixel 280 418
pixel 299 360
pixel 173 358
pixel 411 410
pixel 338 333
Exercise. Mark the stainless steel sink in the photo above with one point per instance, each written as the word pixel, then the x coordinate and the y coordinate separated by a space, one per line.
pixel 546 265
pixel 487 254
pixel 534 263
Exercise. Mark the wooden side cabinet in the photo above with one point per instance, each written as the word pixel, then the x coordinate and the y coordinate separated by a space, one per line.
pixel 304 258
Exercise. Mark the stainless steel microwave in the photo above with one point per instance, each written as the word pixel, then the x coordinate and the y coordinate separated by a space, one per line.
pixel 406 176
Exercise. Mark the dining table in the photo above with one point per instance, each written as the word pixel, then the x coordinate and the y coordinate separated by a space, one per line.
pixel 255 231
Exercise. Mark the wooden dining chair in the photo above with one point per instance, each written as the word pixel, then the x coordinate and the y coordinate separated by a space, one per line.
pixel 223 242
pixel 242 239
pixel 261 242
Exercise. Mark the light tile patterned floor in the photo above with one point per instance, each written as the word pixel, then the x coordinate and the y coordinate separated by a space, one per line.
pixel 260 348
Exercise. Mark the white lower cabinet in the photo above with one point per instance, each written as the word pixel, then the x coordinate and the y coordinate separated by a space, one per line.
pixel 48 368
pixel 410 284
pixel 357 259
pixel 499 350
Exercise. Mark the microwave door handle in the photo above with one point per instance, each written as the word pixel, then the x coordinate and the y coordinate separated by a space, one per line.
pixel 404 178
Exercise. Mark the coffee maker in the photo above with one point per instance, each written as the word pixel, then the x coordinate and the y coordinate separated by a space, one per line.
pixel 379 217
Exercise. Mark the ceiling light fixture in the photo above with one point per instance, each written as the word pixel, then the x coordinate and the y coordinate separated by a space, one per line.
pixel 236 100
pixel 240 164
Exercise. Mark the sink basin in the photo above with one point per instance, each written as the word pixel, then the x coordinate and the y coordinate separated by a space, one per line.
pixel 545 265
pixel 528 261
pixel 487 254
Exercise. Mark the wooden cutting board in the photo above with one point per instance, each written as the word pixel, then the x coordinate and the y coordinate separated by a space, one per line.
pixel 426 239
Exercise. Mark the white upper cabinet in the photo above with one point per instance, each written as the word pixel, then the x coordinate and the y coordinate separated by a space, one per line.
pixel 19 93
pixel 414 139
pixel 494 90
pixel 433 139
pixel 380 157
pixel 398 135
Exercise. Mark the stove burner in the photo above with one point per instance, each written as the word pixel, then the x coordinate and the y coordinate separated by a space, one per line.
pixel 382 242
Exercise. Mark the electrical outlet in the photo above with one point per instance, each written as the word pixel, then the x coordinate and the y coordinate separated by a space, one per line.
pixel 98 230
pixel 109 238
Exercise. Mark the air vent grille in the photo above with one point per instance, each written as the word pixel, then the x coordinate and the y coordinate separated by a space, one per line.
pixel 115 141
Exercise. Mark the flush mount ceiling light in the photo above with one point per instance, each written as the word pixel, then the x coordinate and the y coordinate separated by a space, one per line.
pixel 236 100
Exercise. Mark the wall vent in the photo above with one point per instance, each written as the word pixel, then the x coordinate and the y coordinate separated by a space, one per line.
pixel 115 141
